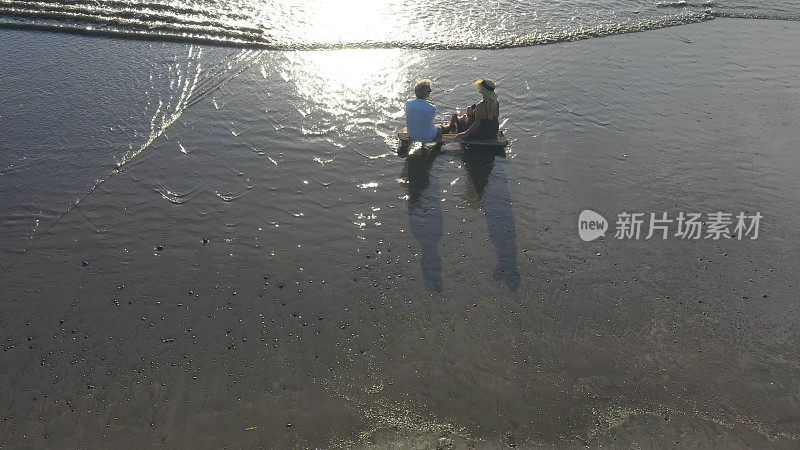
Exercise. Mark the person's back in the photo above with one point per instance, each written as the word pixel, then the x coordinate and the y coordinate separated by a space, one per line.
pixel 420 114
pixel 485 120
pixel 489 124
pixel 419 120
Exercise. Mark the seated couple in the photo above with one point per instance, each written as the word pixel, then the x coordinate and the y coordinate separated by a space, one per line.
pixel 479 123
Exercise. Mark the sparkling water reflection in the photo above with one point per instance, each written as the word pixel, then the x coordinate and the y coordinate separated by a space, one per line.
pixel 307 24
pixel 343 81
pixel 344 92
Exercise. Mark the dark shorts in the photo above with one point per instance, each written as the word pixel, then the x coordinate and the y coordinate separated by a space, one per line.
pixel 438 137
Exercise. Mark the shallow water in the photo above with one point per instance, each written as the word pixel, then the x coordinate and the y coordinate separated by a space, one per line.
pixel 221 246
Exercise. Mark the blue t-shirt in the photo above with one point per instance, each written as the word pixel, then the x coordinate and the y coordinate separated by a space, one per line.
pixel 419 120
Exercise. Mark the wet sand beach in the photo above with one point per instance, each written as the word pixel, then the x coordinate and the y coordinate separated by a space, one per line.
pixel 216 247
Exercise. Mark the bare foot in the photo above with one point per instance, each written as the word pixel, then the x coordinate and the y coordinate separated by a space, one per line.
pixel 454 123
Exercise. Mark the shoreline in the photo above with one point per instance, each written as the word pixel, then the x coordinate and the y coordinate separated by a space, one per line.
pixel 223 43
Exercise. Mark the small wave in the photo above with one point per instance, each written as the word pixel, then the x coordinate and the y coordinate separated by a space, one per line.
pixel 757 16
pixel 675 4
pixel 685 4
pixel 177 198
pixel 166 24
pixel 730 12
pixel 272 25
pixel 324 161
pixel 229 197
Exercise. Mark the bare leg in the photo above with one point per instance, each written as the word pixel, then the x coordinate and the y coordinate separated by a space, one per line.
pixel 463 120
pixel 452 126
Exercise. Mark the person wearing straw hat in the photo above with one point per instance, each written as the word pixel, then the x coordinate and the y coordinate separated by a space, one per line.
pixel 482 121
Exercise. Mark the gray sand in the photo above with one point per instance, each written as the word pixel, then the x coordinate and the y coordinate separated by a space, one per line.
pixel 345 296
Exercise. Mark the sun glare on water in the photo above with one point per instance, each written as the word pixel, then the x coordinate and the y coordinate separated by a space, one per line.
pixel 345 92
pixel 339 80
pixel 336 23
pixel 348 88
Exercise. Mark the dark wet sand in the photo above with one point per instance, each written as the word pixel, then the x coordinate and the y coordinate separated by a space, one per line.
pixel 265 272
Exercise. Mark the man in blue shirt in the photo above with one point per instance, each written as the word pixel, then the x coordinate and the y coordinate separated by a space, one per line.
pixel 420 114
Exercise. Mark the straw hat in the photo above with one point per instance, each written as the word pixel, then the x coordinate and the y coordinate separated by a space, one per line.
pixel 486 87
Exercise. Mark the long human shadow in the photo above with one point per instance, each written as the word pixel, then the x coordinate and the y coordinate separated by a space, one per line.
pixel 495 201
pixel 425 211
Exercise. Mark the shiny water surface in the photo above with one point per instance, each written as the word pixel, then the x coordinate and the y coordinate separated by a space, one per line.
pixel 360 23
pixel 217 246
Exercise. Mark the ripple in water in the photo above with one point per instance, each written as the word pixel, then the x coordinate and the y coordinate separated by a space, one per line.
pixel 307 24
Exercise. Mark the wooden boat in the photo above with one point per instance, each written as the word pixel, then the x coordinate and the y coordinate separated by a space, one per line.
pixel 500 143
